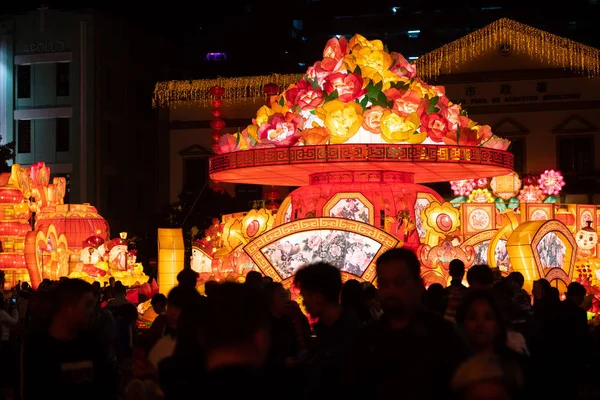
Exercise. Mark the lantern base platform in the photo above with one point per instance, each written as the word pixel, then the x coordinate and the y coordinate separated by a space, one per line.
pixel 292 166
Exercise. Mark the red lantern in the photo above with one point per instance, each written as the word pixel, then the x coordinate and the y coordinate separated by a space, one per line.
pixel 216 112
pixel 271 89
pixel 217 103
pixel 217 91
pixel 216 135
pixel 217 124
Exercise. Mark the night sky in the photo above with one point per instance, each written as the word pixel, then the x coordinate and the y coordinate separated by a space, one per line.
pixel 256 34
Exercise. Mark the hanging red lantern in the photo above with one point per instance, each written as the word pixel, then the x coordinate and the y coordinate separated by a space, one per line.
pixel 216 112
pixel 217 91
pixel 217 103
pixel 272 194
pixel 217 124
pixel 216 135
pixel 271 89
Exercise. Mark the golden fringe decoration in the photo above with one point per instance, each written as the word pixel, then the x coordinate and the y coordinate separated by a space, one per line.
pixel 524 39
pixel 170 93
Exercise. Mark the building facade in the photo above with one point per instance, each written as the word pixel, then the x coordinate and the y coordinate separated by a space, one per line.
pixel 550 113
pixel 74 88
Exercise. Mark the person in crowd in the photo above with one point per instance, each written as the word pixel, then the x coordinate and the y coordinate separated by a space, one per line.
pixel 353 300
pixel 66 361
pixel 490 377
pixel 282 359
pixel 433 298
pixel 237 342
pixel 480 277
pixel 103 325
pixel 302 330
pixel 180 373
pixel 320 286
pixel 9 317
pixel 187 278
pixel 179 298
pixel 481 319
pixel 120 296
pixel 254 280
pixel 372 299
pixel 410 352
pixel 159 325
pixel 456 291
pixel 210 287
pixel 523 321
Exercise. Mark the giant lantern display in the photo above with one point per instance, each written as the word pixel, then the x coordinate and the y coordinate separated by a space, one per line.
pixel 66 239
pixel 360 133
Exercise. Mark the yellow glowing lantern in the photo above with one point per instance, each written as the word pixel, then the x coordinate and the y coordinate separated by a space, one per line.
pixel 480 196
pixel 439 220
pixel 255 223
pixel 506 186
pixel 171 255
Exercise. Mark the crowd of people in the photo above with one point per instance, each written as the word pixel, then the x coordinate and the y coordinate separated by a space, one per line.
pixel 491 340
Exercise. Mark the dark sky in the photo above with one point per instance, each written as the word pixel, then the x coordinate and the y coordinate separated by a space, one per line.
pixel 256 32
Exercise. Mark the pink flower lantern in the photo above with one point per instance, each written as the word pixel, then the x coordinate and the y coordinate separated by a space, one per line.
pixel 463 187
pixel 551 182
pixel 531 194
pixel 482 183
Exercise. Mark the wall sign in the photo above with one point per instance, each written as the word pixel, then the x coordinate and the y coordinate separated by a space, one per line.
pixel 49 46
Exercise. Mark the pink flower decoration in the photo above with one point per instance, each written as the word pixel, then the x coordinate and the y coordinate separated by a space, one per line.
pixel 463 187
pixel 551 182
pixel 482 183
pixel 531 194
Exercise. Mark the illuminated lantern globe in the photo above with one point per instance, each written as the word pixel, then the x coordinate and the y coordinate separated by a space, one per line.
pixel 360 138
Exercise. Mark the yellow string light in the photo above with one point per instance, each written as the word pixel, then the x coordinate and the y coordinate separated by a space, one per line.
pixel 522 39
pixel 236 89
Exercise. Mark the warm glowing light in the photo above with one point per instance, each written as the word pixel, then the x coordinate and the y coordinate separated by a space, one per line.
pixel 462 187
pixel 551 182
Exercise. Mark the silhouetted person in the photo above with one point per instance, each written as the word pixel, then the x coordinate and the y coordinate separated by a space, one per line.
pixel 210 287
pixel 353 300
pixel 456 291
pixel 320 286
pixel 237 342
pixel 180 373
pixel 372 299
pixel 254 280
pixel 410 352
pixel 433 299
pixel 187 278
pixel 283 353
pixel 66 361
pixel 480 277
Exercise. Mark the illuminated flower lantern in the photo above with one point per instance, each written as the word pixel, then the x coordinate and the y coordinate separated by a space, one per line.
pixel 360 133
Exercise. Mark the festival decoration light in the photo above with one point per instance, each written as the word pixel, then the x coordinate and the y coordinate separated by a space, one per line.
pixel 481 196
pixel 360 93
pixel 442 218
pixel 462 187
pixel 507 34
pixel 531 194
pixel 171 254
pixel 551 182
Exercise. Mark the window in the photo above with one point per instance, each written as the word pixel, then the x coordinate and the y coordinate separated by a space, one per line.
pixel 195 173
pixel 575 153
pixel 63 134
pixel 63 79
pixel 24 81
pixel 413 34
pixel 517 148
pixel 24 136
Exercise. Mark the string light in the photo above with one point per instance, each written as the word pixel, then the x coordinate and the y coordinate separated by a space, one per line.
pixel 170 93
pixel 520 39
